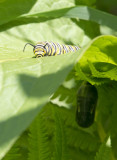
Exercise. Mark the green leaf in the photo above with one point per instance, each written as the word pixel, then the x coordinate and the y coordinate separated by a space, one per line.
pixel 99 61
pixel 84 13
pixel 104 153
pixel 86 2
pixel 60 143
pixel 102 49
pixel 12 155
pixel 26 86
pixel 67 137
pixel 10 10
pixel 27 83
pixel 39 140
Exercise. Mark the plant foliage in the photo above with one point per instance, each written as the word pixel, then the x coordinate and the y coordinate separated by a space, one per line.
pixel 38 96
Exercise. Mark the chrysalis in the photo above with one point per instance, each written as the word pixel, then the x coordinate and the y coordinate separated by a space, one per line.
pixel 87 97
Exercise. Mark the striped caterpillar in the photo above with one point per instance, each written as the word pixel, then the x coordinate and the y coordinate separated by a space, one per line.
pixel 45 48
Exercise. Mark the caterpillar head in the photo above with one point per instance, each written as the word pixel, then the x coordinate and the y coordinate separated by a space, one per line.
pixel 39 49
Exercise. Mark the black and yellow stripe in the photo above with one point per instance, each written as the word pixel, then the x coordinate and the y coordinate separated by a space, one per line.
pixel 42 49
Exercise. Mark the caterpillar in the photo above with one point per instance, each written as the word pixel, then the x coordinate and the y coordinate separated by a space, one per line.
pixel 45 48
pixel 87 97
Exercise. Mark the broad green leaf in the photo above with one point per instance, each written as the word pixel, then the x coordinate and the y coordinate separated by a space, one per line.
pixel 102 49
pixel 16 37
pixel 99 60
pixel 26 86
pixel 80 12
pixel 27 83
pixel 11 9
pixel 85 13
pixel 85 2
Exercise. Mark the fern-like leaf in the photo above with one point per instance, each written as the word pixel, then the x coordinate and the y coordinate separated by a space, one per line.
pixel 12 154
pixel 110 73
pixel 104 153
pixel 61 151
pixel 86 139
pixel 38 140
pixel 80 75
pixel 63 94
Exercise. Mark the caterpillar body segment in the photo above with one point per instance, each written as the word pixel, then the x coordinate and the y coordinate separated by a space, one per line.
pixel 45 48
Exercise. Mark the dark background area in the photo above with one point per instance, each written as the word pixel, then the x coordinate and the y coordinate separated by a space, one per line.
pixel 109 6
